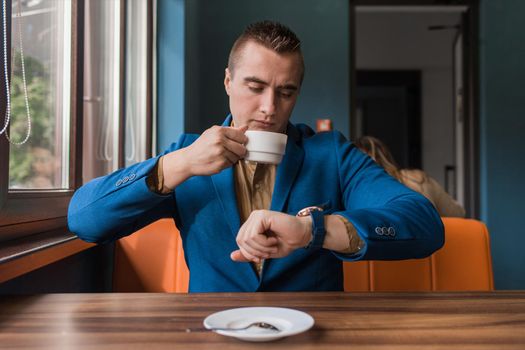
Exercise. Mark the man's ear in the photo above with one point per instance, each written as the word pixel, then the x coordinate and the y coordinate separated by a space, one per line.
pixel 227 80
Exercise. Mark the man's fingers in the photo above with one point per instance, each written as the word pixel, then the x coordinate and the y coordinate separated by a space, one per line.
pixel 248 255
pixel 235 147
pixel 254 253
pixel 264 244
pixel 237 256
pixel 258 250
pixel 236 134
pixel 268 241
pixel 230 156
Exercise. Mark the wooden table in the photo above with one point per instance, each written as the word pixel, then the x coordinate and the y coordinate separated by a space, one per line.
pixel 342 320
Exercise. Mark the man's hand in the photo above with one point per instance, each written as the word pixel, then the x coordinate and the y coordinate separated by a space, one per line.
pixel 216 149
pixel 269 234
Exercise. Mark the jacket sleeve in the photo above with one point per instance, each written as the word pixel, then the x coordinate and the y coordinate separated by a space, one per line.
pixel 394 221
pixel 116 205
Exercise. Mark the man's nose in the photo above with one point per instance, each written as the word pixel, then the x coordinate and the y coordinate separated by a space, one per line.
pixel 268 103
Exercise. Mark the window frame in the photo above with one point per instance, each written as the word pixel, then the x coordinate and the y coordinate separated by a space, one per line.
pixel 27 212
pixel 30 212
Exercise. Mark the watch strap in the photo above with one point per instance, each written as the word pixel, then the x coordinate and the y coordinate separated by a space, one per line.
pixel 318 230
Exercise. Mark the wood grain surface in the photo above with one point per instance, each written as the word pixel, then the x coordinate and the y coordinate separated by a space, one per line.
pixel 484 320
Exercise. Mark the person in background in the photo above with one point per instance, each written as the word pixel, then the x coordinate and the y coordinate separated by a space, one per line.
pixel 415 179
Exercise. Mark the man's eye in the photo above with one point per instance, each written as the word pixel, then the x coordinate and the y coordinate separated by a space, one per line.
pixel 255 89
pixel 286 94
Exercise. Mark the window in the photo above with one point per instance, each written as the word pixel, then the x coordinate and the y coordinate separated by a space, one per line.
pixel 89 86
pixel 43 55
pixel 37 172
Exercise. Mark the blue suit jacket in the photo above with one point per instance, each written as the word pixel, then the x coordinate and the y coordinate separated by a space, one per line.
pixel 317 169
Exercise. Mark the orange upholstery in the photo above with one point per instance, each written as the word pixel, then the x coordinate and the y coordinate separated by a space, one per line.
pixel 152 260
pixel 464 263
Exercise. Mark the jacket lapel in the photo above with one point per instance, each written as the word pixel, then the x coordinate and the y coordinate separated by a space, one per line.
pixel 287 170
pixel 225 188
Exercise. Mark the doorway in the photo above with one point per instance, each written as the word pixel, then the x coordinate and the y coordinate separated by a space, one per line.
pixel 424 51
pixel 389 108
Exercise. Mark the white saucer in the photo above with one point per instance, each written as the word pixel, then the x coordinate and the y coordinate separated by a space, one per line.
pixel 289 322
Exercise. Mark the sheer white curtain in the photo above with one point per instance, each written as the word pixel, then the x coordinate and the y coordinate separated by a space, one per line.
pixel 101 87
pixel 136 81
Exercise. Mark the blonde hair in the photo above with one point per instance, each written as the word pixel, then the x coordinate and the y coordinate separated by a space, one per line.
pixel 378 151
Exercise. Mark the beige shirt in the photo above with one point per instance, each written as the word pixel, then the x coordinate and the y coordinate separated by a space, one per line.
pixel 420 182
pixel 254 189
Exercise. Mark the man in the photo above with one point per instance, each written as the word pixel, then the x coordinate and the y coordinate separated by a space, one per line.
pixel 259 227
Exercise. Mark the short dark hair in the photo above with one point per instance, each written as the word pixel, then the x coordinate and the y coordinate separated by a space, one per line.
pixel 272 35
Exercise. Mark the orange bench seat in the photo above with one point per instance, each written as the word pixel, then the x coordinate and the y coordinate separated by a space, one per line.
pixel 152 260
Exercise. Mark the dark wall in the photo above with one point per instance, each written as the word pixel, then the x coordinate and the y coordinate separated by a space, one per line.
pixel 86 272
pixel 322 26
pixel 211 27
pixel 170 73
pixel 502 102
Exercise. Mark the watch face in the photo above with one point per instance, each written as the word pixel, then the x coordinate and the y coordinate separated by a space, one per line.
pixel 306 211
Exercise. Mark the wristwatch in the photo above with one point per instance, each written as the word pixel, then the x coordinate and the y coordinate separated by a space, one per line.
pixel 318 229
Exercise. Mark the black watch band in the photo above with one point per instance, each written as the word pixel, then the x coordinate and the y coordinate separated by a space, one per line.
pixel 318 230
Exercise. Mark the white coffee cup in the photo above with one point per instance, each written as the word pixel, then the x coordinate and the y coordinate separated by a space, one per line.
pixel 265 146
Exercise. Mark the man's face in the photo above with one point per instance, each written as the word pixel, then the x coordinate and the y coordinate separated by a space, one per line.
pixel 263 88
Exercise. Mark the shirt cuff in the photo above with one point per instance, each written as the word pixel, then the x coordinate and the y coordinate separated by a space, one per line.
pixel 155 179
pixel 355 242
